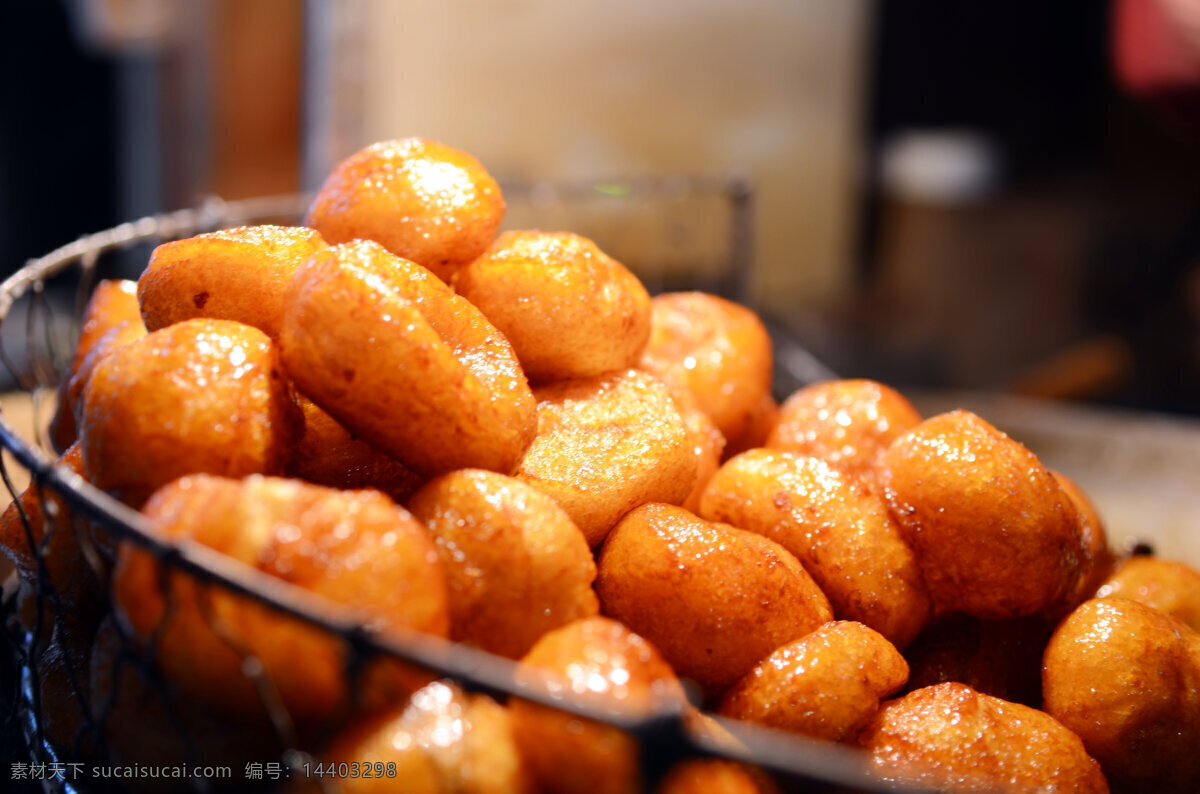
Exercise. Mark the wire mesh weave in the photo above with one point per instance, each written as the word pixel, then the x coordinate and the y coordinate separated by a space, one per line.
pixel 39 310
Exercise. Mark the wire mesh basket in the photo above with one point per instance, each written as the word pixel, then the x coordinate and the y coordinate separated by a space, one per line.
pixel 59 726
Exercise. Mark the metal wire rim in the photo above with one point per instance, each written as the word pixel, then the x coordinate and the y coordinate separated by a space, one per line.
pixel 797 762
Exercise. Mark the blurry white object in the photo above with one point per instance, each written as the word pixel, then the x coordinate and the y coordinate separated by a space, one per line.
pixel 940 167
pixel 127 25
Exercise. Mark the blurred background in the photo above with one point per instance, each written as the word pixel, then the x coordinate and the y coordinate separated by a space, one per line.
pixel 979 196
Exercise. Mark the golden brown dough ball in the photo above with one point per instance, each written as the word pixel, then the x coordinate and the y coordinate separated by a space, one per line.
pixel 569 310
pixel 707 444
pixel 143 721
pixel 328 454
pixel 715 349
pixel 516 565
pixel 1126 678
pixel 1098 560
pixel 405 364
pixel 198 396
pixel 112 303
pixel 231 274
pixel 950 738
pixel 714 599
pixel 72 392
pixel 39 524
pixel 355 548
pixel 420 199
pixel 441 740
pixel 714 776
pixel 848 423
pixel 1168 586
pixel 1001 658
pixel 606 445
pixel 994 534
pixel 598 661
pixel 839 529
pixel 762 419
pixel 825 684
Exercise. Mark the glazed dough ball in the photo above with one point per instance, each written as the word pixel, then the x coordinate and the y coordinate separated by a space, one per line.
pixel 994 534
pixel 707 444
pixel 112 303
pixel 405 364
pixel 516 565
pixel 714 599
pixel 420 199
pixel 606 445
pixel 198 396
pixel 825 685
pixel 848 423
pixel 839 529
pixel 1126 678
pixel 763 418
pixel 355 548
pixel 569 310
pixel 714 776
pixel 231 274
pixel 1168 586
pixel 328 454
pixel 441 740
pixel 1098 558
pixel 602 662
pixel 718 351
pixel 1001 658
pixel 950 738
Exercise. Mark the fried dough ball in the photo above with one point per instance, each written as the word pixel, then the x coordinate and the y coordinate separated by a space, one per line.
pixel 230 274
pixel 441 740
pixel 144 722
pixel 708 445
pixel 420 199
pixel 118 336
pixel 713 776
pixel 717 350
pixel 848 423
pixel 839 529
pixel 602 662
pixel 825 684
pixel 515 563
pixel 1098 560
pixel 405 364
pixel 950 737
pixel 40 517
pixel 1126 678
pixel 1171 587
pixel 569 310
pixel 606 445
pixel 355 548
pixel 714 599
pixel 1001 658
pixel 328 454
pixel 762 419
pixel 199 396
pixel 994 534
pixel 112 303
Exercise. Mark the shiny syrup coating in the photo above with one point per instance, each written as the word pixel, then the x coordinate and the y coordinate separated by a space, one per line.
pixel 516 565
pixel 606 445
pixel 597 660
pixel 717 350
pixel 950 737
pixel 839 529
pixel 405 364
pixel 848 423
pixel 826 684
pixel 422 200
pixel 199 396
pixel 994 534
pixel 355 548
pixel 714 599
pixel 1125 677
pixel 1167 585
pixel 569 309
pixel 231 274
